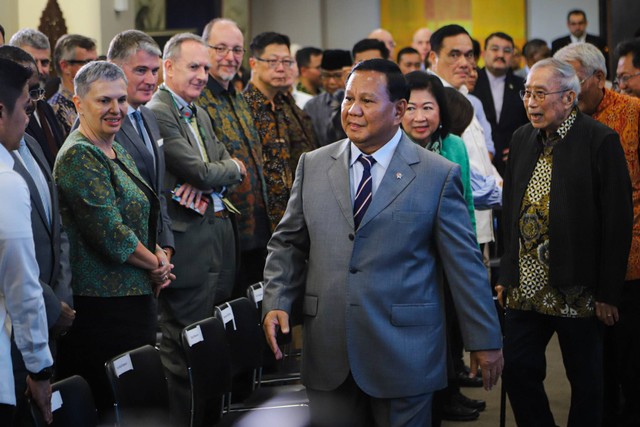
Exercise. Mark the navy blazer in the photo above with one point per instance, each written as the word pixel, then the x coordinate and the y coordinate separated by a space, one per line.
pixel 35 130
pixel 512 116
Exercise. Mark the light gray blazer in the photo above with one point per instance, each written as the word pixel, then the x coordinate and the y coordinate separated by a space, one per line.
pixel 373 298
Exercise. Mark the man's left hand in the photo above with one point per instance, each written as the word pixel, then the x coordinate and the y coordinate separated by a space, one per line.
pixel 491 362
pixel 608 314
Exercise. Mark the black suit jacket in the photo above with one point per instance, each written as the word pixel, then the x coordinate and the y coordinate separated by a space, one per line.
pixel 591 211
pixel 35 130
pixel 512 116
pixel 598 42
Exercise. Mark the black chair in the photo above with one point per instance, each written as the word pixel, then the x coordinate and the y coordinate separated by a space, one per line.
pixel 246 344
pixel 274 371
pixel 209 365
pixel 139 388
pixel 71 404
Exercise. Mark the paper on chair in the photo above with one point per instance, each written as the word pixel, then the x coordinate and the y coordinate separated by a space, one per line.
pixel 122 365
pixel 258 293
pixel 227 316
pixel 194 336
pixel 56 401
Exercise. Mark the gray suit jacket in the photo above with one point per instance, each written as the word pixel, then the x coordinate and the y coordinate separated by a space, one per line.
pixel 51 243
pixel 185 164
pixel 372 297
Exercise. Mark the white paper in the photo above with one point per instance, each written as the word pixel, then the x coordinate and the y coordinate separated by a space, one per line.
pixel 56 401
pixel 227 316
pixel 194 336
pixel 160 142
pixel 123 365
pixel 258 293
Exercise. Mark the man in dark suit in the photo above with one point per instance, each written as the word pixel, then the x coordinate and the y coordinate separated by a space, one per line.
pixel 372 223
pixel 568 217
pixel 577 24
pixel 43 125
pixel 139 57
pixel 499 90
pixel 51 245
pixel 199 170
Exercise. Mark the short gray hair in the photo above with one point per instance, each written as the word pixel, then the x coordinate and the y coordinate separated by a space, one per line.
pixel 562 71
pixel 586 54
pixel 207 29
pixel 66 47
pixel 94 71
pixel 30 37
pixel 173 46
pixel 127 43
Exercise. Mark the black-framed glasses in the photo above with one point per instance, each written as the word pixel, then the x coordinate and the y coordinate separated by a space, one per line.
pixel 538 95
pixel 79 61
pixel 36 94
pixel 273 63
pixel 624 79
pixel 222 50
pixel 331 75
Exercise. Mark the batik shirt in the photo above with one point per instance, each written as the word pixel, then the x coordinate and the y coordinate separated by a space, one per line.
pixel 234 127
pixel 64 108
pixel 534 292
pixel 622 114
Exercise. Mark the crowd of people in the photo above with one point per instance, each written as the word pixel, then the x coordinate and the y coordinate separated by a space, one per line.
pixel 142 189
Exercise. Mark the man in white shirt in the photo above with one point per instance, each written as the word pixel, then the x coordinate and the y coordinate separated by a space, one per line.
pixel 21 303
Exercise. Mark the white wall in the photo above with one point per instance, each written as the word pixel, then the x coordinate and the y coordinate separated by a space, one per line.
pixel 547 19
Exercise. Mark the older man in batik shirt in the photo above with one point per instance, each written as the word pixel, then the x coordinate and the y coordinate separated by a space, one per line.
pixel 234 126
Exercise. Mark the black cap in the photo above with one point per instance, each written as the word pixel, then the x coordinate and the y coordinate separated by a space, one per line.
pixel 335 59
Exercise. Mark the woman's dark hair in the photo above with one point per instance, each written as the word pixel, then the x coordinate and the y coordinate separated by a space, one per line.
pixel 460 110
pixel 419 80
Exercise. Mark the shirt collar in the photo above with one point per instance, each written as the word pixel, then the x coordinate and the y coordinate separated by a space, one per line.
pixel 131 110
pixel 463 89
pixel 181 102
pixel 5 157
pixel 495 79
pixel 561 132
pixel 582 39
pixel 216 88
pixel 383 155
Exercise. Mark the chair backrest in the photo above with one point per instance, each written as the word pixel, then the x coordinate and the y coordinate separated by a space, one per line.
pixel 139 388
pixel 72 405
pixel 244 334
pixel 209 363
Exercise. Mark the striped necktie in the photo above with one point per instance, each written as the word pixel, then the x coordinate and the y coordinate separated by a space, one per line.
pixel 365 190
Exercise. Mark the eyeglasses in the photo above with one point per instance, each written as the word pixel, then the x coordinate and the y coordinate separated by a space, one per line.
pixel 36 94
pixel 538 95
pixel 79 61
pixel 222 50
pixel 273 63
pixel 624 79
pixel 496 49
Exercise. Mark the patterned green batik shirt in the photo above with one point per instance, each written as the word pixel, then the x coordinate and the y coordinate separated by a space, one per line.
pixel 534 292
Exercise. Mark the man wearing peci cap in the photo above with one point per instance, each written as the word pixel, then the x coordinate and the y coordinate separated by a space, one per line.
pixel 324 109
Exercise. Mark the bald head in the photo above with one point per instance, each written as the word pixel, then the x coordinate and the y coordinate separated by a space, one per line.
pixel 385 37
pixel 422 42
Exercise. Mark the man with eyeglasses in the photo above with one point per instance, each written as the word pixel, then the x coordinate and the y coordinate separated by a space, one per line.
pixel 622 114
pixel 324 109
pixel 72 51
pixel 50 241
pixel 233 124
pixel 628 71
pixel 568 217
pixel 498 89
pixel 271 63
pixel 43 125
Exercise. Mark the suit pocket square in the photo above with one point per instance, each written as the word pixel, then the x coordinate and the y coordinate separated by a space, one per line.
pixel 415 314
pixel 160 142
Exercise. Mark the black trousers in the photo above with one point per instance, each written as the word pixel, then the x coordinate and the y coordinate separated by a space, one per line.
pixel 527 334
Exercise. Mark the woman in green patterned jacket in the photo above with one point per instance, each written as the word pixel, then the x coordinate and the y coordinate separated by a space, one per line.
pixel 110 215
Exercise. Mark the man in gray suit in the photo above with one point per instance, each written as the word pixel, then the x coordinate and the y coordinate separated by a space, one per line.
pixel 139 57
pixel 372 224
pixel 199 170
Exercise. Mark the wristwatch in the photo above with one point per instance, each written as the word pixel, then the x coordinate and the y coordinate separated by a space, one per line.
pixel 43 375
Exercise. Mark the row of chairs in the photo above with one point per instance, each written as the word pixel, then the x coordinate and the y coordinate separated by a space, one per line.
pixel 221 352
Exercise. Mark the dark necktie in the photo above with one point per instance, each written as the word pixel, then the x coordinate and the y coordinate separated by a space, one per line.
pixel 142 131
pixel 365 190
pixel 48 134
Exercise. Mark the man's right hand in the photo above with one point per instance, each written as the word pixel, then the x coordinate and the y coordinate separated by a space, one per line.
pixel 243 169
pixel 64 322
pixel 272 321
pixel 40 392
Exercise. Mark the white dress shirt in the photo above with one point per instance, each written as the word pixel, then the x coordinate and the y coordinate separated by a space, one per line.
pixel 497 92
pixel 21 303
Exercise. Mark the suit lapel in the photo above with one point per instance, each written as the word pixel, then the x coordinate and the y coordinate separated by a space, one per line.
pixel 36 202
pixel 398 176
pixel 339 180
